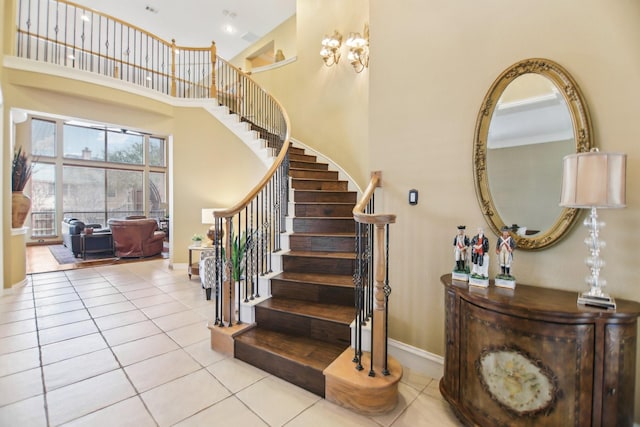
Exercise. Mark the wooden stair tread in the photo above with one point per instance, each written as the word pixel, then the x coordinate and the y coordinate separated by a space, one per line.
pixel 327 234
pixel 329 312
pixel 311 179
pixel 325 191
pixel 302 350
pixel 293 168
pixel 322 254
pixel 326 218
pixel 324 203
pixel 316 278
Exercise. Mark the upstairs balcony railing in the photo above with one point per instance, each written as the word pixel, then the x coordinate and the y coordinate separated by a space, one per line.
pixel 63 33
pixel 69 35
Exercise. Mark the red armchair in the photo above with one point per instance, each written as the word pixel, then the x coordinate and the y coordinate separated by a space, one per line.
pixel 134 238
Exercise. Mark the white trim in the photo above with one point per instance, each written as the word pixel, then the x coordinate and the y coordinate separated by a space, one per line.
pixel 274 65
pixel 21 284
pixel 180 266
pixel 10 291
pixel 416 359
pixel 17 63
pixel 19 231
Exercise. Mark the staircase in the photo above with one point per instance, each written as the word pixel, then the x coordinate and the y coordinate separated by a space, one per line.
pixel 304 326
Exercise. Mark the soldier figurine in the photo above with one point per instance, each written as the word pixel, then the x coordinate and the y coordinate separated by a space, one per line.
pixel 461 244
pixel 504 249
pixel 479 251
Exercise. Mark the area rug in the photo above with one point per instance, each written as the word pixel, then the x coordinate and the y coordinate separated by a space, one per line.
pixel 63 255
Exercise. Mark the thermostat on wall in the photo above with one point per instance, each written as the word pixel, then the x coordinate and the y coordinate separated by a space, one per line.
pixel 413 197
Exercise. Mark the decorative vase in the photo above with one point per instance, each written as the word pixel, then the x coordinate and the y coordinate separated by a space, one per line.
pixel 20 206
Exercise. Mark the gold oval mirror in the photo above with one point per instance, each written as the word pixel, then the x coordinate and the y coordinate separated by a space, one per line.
pixel 533 115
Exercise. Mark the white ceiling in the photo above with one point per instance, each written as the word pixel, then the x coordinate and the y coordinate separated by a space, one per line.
pixel 196 23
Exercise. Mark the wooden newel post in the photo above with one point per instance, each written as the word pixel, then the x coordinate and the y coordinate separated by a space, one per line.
pixel 173 67
pixel 214 92
pixel 379 318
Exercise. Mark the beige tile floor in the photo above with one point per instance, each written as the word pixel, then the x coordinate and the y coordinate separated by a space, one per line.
pixel 127 345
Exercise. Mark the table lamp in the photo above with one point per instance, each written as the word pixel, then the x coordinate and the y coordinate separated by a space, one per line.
pixel 594 180
pixel 208 218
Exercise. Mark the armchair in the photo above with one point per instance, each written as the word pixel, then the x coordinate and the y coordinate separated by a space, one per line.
pixel 136 237
pixel 71 230
pixel 208 271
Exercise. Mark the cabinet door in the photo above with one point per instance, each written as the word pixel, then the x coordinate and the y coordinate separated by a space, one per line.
pixel 451 359
pixel 619 374
pixel 520 372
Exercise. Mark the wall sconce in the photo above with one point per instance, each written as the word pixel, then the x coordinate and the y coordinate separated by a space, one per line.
pixel 359 49
pixel 330 51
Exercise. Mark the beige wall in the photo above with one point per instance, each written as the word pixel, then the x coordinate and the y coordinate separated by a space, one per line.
pixel 328 107
pixel 431 66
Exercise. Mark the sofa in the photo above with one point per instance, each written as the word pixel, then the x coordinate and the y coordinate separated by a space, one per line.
pixel 136 238
pixel 72 228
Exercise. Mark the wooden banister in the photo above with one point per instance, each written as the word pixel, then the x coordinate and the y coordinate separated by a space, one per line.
pixel 372 292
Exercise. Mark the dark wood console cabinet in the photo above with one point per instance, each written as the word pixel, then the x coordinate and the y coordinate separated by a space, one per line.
pixel 533 357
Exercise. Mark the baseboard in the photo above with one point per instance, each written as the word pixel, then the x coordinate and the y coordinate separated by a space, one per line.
pixel 416 359
pixel 9 291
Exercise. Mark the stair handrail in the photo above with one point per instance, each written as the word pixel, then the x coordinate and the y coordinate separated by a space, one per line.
pixel 264 208
pixel 371 278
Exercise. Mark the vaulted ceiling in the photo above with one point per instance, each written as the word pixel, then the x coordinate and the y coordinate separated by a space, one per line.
pixel 233 24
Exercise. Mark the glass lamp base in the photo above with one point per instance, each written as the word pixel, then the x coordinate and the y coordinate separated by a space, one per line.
pixel 603 301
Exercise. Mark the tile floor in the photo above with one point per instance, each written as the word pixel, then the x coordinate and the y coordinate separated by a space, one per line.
pixel 127 345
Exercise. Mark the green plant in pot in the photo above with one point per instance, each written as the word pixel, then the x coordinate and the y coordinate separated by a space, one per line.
pixel 21 169
pixel 238 249
pixel 196 239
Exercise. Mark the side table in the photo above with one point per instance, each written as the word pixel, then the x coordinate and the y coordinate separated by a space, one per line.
pixel 96 243
pixel 194 267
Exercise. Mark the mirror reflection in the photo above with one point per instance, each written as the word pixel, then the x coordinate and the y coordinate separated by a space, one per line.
pixel 529 134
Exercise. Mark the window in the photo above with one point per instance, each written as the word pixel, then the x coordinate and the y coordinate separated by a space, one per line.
pixel 156 152
pixel 123 147
pixel 93 173
pixel 157 190
pixel 83 143
pixel 125 193
pixel 43 200
pixel 43 138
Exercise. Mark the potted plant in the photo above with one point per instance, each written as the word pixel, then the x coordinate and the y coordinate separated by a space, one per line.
pixel 238 249
pixel 196 239
pixel 20 175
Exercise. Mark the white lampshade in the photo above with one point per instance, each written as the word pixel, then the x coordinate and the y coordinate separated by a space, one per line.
pixel 207 216
pixel 594 179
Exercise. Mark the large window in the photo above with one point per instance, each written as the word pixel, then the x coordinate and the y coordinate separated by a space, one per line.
pixel 94 173
pixel 43 199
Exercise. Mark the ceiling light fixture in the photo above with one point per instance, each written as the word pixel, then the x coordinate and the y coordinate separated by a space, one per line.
pixel 330 49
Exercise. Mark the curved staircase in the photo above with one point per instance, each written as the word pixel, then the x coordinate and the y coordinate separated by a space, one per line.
pixel 304 326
